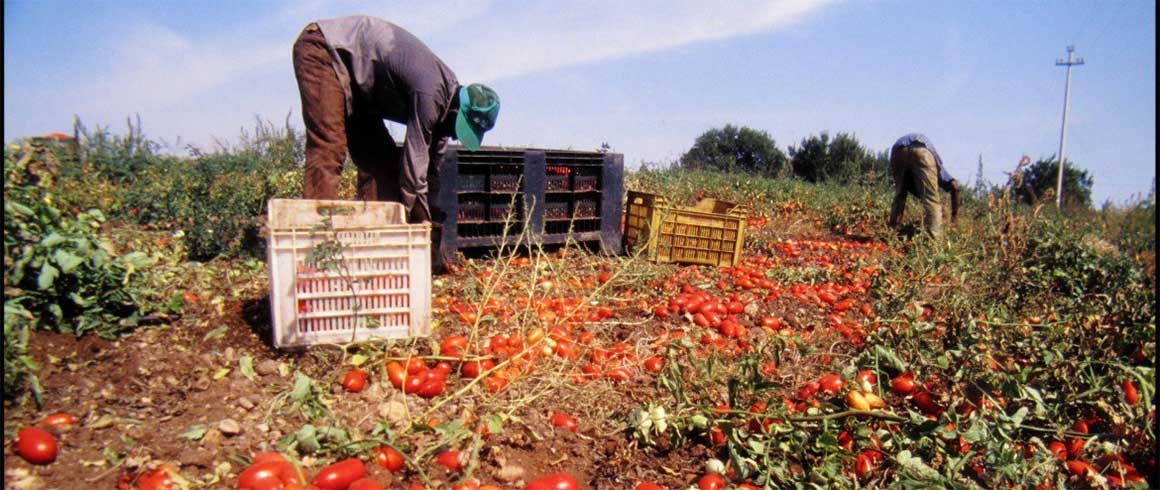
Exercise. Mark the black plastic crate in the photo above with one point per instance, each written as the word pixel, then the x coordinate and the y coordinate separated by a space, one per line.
pixel 557 194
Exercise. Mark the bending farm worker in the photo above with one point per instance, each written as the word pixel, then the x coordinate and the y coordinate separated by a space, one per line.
pixel 918 170
pixel 354 72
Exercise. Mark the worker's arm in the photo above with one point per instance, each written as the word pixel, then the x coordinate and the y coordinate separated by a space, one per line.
pixel 417 156
pixel 954 200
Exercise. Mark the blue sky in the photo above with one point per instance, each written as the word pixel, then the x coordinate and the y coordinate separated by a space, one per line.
pixel 979 78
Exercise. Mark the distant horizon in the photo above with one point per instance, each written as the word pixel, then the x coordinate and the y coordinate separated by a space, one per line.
pixel 647 78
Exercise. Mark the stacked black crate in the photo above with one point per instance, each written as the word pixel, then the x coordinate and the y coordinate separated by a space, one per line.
pixel 555 194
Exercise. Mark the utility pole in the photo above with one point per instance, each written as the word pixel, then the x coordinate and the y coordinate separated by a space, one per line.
pixel 1063 130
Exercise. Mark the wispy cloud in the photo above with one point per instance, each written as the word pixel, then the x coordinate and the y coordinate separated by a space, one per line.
pixel 551 35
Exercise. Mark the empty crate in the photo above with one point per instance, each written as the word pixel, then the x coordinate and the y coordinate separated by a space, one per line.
pixel 710 233
pixel 373 281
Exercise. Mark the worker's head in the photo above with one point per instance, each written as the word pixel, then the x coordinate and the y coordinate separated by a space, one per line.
pixel 478 110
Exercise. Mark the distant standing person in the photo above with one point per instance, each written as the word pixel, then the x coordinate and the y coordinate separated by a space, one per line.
pixel 919 170
pixel 355 71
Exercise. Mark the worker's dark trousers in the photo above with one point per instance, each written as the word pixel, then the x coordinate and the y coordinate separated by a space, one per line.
pixel 330 134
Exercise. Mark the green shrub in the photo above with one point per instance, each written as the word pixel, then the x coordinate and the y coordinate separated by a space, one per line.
pixel 56 267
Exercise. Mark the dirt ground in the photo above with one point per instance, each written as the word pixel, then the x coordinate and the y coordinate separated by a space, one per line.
pixel 134 398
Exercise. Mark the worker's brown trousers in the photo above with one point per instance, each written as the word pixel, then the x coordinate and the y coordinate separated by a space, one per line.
pixel 330 133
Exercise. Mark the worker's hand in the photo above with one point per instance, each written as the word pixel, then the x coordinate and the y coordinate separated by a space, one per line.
pixel 954 200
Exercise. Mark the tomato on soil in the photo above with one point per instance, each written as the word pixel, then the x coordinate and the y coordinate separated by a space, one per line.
pixel 555 481
pixel 654 364
pixel 355 380
pixel 711 481
pixel 36 445
pixel 563 421
pixel 450 460
pixel 58 419
pixel 340 475
pixel 365 484
pixel 388 458
pixel 160 478
pixel 1130 394
pixel 647 486
pixel 903 384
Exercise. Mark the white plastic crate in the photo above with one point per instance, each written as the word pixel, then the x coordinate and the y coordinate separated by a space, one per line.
pixel 386 266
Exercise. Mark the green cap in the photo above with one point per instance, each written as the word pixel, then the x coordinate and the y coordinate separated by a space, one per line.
pixel 478 110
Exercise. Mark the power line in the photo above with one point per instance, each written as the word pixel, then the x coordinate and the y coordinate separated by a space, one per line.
pixel 1063 129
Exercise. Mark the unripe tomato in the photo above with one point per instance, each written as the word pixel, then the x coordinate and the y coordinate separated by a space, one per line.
pixel 36 445
pixel 857 401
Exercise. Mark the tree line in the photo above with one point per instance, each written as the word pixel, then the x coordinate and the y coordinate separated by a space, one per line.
pixel 843 159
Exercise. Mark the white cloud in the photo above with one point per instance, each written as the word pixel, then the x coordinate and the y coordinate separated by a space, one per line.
pixel 551 35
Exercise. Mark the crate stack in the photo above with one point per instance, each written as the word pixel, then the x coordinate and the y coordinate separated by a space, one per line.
pixel 557 194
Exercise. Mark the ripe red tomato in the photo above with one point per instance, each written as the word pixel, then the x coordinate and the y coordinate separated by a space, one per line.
pixel 453 346
pixel 268 472
pixel 340 475
pixel 415 365
pixel 555 481
pixel 160 478
pixel 620 374
pixel 365 484
pixel 355 380
pixel 450 459
pixel 925 402
pixel 396 373
pixel 647 486
pixel 388 458
pixel 866 376
pixel 1130 394
pixel 36 445
pixel 1079 468
pixel 711 481
pixel 864 465
pixel 831 383
pixel 58 419
pixel 1058 449
pixel 654 364
pixel 903 384
pixel 563 421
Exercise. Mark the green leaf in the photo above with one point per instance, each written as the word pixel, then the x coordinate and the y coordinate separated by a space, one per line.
pixel 358 360
pixel 216 333
pixel 308 439
pixel 48 275
pixel 66 260
pixel 915 466
pixel 494 423
pixel 246 365
pixel 301 387
pixel 195 433
pixel 53 239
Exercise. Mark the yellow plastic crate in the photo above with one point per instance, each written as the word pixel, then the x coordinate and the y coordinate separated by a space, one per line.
pixel 710 233
pixel 383 287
